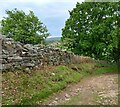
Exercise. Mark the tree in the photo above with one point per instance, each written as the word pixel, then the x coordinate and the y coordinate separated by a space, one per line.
pixel 24 28
pixel 92 30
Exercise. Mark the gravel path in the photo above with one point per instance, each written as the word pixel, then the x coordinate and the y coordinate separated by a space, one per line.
pixel 96 90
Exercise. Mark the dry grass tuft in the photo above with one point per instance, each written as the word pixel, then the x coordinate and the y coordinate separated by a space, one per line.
pixel 82 59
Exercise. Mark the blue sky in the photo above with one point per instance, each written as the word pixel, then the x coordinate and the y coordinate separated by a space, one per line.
pixel 53 13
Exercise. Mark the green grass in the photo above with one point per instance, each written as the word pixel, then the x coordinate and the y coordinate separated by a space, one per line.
pixel 106 68
pixel 22 88
pixel 34 87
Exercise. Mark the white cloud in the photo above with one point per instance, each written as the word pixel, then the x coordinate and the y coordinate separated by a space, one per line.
pixel 38 1
pixel 5 4
pixel 22 1
pixel 52 13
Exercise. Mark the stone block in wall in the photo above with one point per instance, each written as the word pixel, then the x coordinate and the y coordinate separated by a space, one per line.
pixel 5 52
pixel 26 55
pixel 28 64
pixel 3 61
pixel 19 46
pixel 14 59
pixel 4 56
pixel 6 66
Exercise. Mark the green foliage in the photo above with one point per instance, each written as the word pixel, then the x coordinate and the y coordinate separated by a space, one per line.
pixel 93 30
pixel 24 28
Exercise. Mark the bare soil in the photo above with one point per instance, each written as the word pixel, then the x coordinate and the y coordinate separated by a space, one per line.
pixel 95 90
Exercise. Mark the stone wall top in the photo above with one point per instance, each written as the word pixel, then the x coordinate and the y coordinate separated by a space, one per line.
pixel 15 55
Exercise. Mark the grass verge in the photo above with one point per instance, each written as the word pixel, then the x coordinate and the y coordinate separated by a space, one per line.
pixel 21 88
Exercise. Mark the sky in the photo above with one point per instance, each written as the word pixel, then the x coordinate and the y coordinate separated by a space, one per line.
pixel 53 13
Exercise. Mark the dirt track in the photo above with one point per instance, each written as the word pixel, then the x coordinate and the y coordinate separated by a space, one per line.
pixel 96 90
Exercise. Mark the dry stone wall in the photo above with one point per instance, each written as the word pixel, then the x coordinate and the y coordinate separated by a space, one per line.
pixel 15 55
